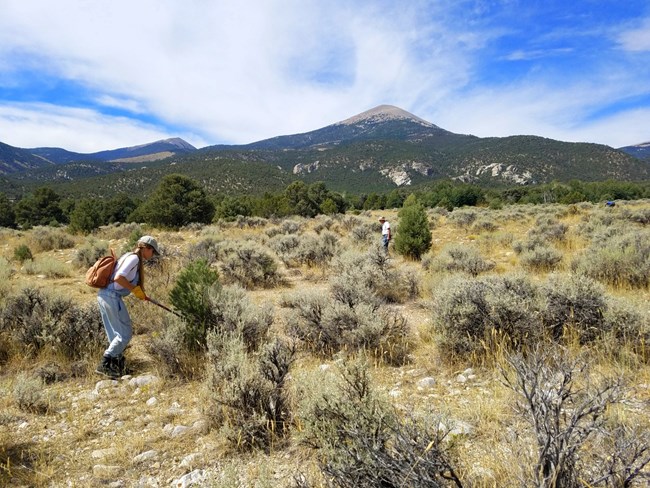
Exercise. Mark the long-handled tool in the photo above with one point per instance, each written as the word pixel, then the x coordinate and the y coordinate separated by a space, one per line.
pixel 149 299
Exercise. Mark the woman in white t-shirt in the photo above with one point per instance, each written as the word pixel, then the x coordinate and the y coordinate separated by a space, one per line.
pixel 127 278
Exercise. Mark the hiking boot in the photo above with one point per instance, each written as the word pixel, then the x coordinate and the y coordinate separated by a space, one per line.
pixel 120 364
pixel 108 368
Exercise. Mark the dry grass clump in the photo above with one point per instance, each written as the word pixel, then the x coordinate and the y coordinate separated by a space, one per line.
pixel 29 394
pixel 484 224
pixel 48 267
pixel 639 216
pixel 6 272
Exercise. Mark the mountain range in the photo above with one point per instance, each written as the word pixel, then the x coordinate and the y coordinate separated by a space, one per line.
pixel 376 150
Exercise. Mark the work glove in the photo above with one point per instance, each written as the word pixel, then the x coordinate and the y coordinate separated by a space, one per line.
pixel 139 292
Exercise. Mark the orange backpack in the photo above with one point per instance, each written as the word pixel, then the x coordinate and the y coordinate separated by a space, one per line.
pixel 99 274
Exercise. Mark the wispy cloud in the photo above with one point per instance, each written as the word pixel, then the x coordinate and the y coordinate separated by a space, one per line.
pixel 637 38
pixel 236 72
pixel 80 130
pixel 521 55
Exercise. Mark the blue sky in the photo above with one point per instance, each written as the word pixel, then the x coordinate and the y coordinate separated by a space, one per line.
pixel 93 75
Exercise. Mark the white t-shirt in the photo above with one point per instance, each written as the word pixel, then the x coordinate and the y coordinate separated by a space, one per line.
pixel 127 266
pixel 385 229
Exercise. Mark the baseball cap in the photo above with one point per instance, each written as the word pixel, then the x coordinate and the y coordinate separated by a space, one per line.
pixel 150 241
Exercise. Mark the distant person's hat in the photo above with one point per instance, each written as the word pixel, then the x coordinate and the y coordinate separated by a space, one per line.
pixel 150 241
pixel 382 219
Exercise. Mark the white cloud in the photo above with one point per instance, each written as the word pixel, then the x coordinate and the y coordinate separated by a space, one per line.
pixel 237 72
pixel 637 39
pixel 79 130
pixel 562 113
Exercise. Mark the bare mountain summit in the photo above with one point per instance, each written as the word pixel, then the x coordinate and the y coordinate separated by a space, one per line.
pixel 384 122
pixel 385 113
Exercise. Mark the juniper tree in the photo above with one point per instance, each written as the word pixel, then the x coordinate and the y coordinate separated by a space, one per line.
pixel 413 237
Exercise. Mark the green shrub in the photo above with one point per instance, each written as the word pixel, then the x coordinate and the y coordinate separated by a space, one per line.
pixel 412 237
pixel 86 216
pixel 177 201
pixel 190 296
pixel 23 253
pixel 7 214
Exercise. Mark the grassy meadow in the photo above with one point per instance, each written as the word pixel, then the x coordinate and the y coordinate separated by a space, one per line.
pixel 513 354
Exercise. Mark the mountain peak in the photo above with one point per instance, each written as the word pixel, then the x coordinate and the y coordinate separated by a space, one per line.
pixel 383 113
